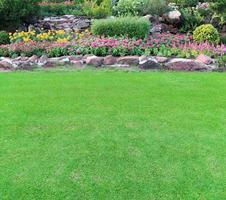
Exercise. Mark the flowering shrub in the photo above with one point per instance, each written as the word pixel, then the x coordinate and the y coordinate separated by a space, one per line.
pixel 157 45
pixel 60 36
pixel 51 35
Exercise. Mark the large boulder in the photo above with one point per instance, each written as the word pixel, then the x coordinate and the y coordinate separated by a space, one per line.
pixel 94 60
pixel 159 28
pixel 173 17
pixel 181 64
pixel 148 63
pixel 110 60
pixel 128 60
pixel 6 64
pixel 42 60
pixel 204 59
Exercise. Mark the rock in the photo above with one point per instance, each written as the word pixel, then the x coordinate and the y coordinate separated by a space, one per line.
pixel 128 60
pixel 204 59
pixel 53 62
pixel 65 22
pixel 25 65
pixel 181 64
pixel 161 59
pixel 77 63
pixel 148 63
pixel 160 28
pixel 42 60
pixel 173 29
pixel 33 59
pixel 6 64
pixel 173 17
pixel 94 60
pixel 110 60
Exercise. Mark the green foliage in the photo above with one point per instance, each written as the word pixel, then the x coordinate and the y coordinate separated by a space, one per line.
pixel 191 19
pixel 154 7
pixel 219 8
pixel 128 7
pixel 4 37
pixel 57 52
pixel 222 61
pixel 207 33
pixel 14 12
pixel 131 26
pixel 223 39
pixel 140 7
pixel 60 9
pixel 97 10
pixel 185 3
pixel 4 52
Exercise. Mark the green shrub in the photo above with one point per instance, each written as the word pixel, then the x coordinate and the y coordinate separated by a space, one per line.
pixel 222 61
pixel 185 3
pixel 223 39
pixel 219 9
pixel 191 20
pixel 207 33
pixel 131 26
pixel 97 10
pixel 154 7
pixel 60 9
pixel 4 37
pixel 57 52
pixel 4 52
pixel 14 12
pixel 128 7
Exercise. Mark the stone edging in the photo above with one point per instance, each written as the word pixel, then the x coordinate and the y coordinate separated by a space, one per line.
pixel 201 63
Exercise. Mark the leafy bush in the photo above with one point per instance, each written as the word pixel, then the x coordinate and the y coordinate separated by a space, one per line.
pixel 222 61
pixel 128 7
pixel 191 20
pixel 219 9
pixel 185 3
pixel 131 26
pixel 4 52
pixel 223 39
pixel 97 11
pixel 207 33
pixel 154 7
pixel 14 12
pixel 60 9
pixel 4 37
pixel 57 52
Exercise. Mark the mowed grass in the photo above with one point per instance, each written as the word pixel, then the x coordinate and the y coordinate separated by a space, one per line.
pixel 112 135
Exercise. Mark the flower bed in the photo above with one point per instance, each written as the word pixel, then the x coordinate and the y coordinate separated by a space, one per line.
pixel 61 44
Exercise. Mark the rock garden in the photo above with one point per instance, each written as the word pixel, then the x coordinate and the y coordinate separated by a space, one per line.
pixel 174 35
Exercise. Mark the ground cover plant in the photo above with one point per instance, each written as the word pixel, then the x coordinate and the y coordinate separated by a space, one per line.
pixel 99 134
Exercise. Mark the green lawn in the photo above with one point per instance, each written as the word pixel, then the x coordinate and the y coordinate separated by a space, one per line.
pixel 104 134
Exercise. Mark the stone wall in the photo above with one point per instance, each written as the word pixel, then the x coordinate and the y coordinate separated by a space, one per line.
pixel 65 22
pixel 201 63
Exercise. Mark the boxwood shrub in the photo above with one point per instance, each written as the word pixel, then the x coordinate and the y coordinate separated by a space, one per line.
pixel 131 26
pixel 206 33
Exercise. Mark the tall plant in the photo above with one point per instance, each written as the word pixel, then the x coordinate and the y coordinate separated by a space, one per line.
pixel 14 12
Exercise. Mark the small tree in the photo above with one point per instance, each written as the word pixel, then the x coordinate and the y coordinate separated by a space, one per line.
pixel 14 12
